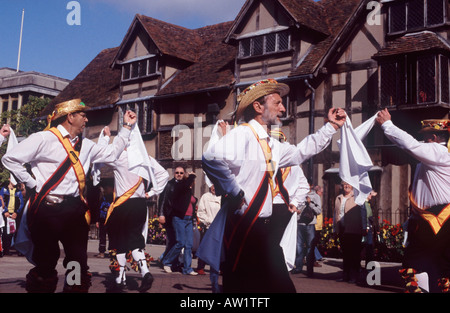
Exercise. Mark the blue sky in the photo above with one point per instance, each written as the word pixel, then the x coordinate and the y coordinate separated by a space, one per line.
pixel 51 46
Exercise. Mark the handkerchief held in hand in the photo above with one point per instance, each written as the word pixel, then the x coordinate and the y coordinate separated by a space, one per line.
pixel 12 142
pixel 97 166
pixel 138 160
pixel 355 162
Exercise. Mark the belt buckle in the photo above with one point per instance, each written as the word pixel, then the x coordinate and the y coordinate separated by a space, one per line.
pixel 53 199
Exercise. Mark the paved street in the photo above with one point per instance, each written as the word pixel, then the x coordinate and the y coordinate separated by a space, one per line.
pixel 14 268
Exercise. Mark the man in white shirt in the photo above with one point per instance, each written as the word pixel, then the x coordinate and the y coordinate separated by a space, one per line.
pixel 428 248
pixel 59 159
pixel 242 165
pixel 127 217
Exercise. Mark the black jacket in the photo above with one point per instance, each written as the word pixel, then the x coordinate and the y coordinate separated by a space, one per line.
pixel 175 199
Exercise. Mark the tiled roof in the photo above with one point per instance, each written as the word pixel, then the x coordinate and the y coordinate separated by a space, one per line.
pixel 215 65
pixel 307 13
pixel 416 42
pixel 171 39
pixel 335 14
pixel 97 85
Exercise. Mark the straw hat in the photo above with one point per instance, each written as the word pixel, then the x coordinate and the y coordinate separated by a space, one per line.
pixel 435 125
pixel 258 90
pixel 64 108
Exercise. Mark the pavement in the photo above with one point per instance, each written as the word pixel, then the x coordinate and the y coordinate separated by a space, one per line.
pixel 383 278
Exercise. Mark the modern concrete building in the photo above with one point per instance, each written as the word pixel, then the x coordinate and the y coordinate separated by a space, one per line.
pixel 17 87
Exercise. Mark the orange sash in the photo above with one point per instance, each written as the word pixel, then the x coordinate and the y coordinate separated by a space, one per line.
pixel 76 165
pixel 122 198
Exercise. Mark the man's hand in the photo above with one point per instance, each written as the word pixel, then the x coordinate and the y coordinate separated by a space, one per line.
pixel 337 117
pixel 5 130
pixel 107 131
pixel 162 219
pixel 383 116
pixel 129 118
pixel 223 127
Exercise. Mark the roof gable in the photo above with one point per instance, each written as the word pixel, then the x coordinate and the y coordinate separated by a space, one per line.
pixel 340 17
pixel 303 13
pixel 169 39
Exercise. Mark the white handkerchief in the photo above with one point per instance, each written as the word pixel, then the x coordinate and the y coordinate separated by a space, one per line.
pixel 97 166
pixel 355 162
pixel 12 142
pixel 138 160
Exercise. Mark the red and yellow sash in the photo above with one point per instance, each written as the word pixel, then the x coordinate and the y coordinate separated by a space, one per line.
pixel 435 221
pixel 122 198
pixel 270 165
pixel 76 165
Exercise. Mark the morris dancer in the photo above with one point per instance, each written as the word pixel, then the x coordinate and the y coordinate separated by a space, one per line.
pixel 428 249
pixel 127 216
pixel 60 158
pixel 242 165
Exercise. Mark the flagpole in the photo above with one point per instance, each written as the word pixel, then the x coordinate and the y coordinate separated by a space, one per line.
pixel 20 41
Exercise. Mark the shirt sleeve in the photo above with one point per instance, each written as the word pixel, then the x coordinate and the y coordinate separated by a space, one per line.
pixel 219 160
pixel 427 153
pixel 161 176
pixel 311 145
pixel 25 152
pixel 302 190
pixel 102 153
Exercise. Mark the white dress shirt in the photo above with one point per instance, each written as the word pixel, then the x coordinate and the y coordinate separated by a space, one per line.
pixel 431 185
pixel 240 161
pixel 124 179
pixel 45 153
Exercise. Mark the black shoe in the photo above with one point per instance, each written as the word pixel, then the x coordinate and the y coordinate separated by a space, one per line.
pixel 147 282
pixel 296 271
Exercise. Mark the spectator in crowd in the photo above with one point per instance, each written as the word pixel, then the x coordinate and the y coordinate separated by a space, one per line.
pixel 350 224
pixel 368 240
pixel 12 203
pixel 208 206
pixel 107 199
pixel 177 205
pixel 306 231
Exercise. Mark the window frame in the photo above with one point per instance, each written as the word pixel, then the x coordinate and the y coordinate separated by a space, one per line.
pixel 425 25
pixel 136 66
pixel 252 40
pixel 409 79
pixel 145 113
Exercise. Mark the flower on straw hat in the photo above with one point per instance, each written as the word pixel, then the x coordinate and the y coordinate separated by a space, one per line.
pixel 435 125
pixel 64 108
pixel 258 90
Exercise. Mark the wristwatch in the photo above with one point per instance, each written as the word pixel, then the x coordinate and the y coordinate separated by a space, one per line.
pixel 127 124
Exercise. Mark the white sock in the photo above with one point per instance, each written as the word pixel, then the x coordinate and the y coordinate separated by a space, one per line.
pixel 122 261
pixel 139 256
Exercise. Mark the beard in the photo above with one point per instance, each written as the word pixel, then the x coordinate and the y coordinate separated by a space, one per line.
pixel 272 120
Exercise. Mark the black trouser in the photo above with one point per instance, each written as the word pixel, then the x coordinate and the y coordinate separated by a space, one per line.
pixel 125 226
pixel 427 251
pixel 351 255
pixel 63 222
pixel 261 266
